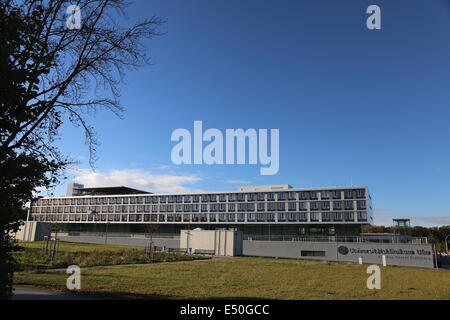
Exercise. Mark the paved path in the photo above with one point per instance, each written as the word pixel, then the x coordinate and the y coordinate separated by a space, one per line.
pixel 26 293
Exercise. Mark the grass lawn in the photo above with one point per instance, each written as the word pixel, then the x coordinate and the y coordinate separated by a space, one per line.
pixel 251 278
pixel 31 257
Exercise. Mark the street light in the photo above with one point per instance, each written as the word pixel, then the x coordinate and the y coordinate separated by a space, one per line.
pixel 446 243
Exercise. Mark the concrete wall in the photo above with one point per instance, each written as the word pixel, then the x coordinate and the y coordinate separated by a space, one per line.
pixel 221 242
pixel 412 255
pixel 126 241
pixel 33 231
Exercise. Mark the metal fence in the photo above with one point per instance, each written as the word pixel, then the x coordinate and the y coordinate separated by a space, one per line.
pixel 121 234
pixel 359 239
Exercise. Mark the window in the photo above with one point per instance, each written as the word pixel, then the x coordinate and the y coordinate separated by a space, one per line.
pixel 261 206
pixel 162 218
pixel 325 194
pixel 281 206
pixel 292 206
pixel 302 216
pixel 314 205
pixel 337 205
pixel 325 205
pixel 232 197
pixel 336 194
pixel 311 253
pixel 338 216
pixel 362 216
pixel 325 216
pixel 361 204
pixel 282 196
pixel 281 216
pixel 313 195
pixel 270 206
pixel 302 206
pixel 302 195
pixel 251 197
pixel 360 193
pixel 348 205
pixel 187 199
pixel 240 196
pixel 260 196
pixel 349 216
pixel 292 216
pixel 314 216
pixel 348 194
pixel 222 197
pixel 271 196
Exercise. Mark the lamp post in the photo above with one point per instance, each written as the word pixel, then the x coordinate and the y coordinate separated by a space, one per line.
pixel 446 243
pixel 106 236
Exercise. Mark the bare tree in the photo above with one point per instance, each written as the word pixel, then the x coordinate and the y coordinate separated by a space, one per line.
pixel 53 71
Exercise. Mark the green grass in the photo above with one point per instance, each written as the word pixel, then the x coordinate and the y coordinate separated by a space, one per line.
pixel 251 278
pixel 31 256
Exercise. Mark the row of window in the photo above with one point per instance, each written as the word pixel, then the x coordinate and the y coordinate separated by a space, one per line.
pixel 231 197
pixel 212 207
pixel 211 217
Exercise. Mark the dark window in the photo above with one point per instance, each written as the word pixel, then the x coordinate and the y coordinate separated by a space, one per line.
pixel 311 253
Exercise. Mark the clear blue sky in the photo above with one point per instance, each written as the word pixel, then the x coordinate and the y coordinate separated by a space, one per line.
pixel 353 106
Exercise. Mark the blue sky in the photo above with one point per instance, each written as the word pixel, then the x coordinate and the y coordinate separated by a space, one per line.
pixel 353 106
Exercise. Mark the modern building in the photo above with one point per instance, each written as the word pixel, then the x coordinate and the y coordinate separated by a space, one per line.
pixel 273 210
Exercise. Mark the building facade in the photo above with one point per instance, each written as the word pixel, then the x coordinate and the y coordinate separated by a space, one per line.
pixel 254 210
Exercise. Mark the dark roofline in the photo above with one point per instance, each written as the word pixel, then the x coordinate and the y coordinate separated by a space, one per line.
pixel 110 190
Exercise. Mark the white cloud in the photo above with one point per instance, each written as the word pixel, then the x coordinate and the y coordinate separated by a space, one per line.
pixel 238 181
pixel 136 178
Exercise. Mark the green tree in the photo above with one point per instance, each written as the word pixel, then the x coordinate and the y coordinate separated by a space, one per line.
pixel 52 72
